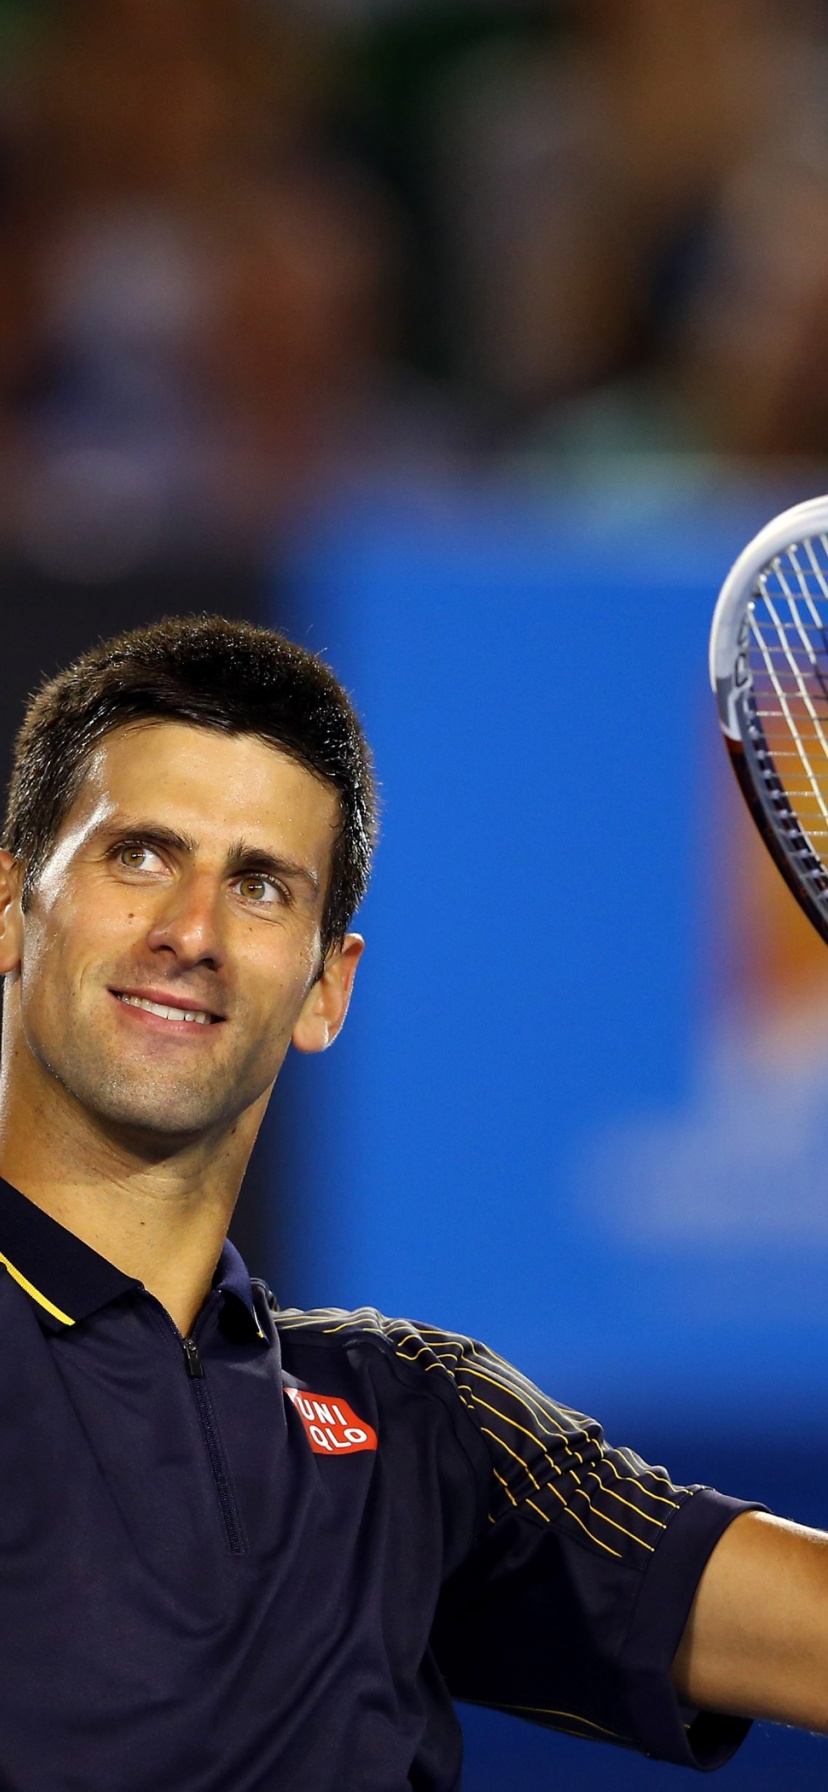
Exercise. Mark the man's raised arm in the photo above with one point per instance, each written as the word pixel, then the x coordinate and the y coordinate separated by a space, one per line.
pixel 756 1642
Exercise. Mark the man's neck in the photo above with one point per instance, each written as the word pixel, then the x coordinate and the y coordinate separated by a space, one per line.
pixel 160 1215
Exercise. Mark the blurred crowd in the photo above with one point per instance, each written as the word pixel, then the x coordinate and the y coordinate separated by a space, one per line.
pixel 253 248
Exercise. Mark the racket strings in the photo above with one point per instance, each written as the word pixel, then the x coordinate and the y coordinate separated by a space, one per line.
pixel 788 706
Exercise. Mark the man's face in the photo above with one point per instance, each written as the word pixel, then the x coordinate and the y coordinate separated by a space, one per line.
pixel 173 938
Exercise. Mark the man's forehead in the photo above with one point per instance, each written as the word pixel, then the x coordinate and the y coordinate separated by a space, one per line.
pixel 207 781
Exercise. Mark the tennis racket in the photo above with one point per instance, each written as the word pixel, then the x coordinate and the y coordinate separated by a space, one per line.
pixel 769 672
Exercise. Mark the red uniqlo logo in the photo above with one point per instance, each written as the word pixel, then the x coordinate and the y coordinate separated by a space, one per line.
pixel 331 1424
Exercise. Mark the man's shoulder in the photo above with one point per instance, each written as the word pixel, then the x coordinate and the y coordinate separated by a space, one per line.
pixel 424 1356
pixel 335 1328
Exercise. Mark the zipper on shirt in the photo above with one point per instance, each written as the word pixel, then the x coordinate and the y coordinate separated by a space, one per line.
pixel 233 1527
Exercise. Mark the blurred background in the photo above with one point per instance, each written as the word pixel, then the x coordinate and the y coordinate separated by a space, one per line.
pixel 469 343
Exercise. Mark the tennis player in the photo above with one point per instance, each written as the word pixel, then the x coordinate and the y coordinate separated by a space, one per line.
pixel 245 1548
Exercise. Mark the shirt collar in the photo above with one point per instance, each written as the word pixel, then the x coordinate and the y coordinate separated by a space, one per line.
pixel 68 1281
pixel 231 1278
pixel 64 1276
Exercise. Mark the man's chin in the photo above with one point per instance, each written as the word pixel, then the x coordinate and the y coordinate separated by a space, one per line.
pixel 150 1108
pixel 165 1116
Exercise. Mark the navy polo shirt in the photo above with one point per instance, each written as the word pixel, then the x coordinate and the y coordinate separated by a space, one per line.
pixel 267 1557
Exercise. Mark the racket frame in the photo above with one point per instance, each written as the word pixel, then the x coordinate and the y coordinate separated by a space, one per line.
pixel 732 684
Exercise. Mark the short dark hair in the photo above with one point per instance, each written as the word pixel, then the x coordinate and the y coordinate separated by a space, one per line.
pixel 236 677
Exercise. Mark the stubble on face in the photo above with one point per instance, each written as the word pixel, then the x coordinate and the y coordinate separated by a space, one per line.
pixel 182 933
pixel 140 1087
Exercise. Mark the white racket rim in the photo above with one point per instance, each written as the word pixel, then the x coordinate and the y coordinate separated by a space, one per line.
pixel 780 534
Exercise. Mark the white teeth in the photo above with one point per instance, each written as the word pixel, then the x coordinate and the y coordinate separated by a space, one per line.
pixel 196 1014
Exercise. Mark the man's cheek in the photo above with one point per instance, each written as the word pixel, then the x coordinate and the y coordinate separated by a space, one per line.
pixel 268 1038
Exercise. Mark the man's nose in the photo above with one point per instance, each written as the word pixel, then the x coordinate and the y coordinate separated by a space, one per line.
pixel 189 922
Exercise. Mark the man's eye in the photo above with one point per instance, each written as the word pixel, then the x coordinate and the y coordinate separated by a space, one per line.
pixel 137 858
pixel 257 888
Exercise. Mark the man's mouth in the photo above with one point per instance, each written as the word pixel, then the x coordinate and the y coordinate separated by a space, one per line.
pixel 167 1010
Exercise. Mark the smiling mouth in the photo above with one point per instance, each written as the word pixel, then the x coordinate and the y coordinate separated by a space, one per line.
pixel 166 1011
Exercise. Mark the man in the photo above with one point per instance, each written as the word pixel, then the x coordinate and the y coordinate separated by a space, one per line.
pixel 248 1549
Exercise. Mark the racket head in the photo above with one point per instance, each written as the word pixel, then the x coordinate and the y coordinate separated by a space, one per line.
pixel 769 673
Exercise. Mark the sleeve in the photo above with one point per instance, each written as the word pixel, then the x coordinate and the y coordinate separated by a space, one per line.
pixel 570 1606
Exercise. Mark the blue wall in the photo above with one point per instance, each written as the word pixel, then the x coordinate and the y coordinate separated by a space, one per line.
pixel 538 987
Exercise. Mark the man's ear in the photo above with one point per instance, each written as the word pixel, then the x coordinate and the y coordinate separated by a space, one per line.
pixel 11 924
pixel 326 1003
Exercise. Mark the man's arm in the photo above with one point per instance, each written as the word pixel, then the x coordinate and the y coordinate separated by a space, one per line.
pixel 756 1642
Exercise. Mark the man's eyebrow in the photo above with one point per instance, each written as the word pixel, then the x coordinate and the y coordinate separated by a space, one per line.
pixel 150 833
pixel 243 856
